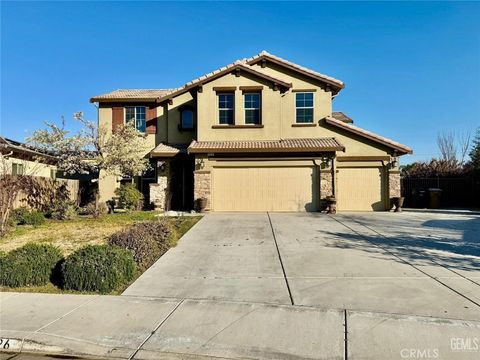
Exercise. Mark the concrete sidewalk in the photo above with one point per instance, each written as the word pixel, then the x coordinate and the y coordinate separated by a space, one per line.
pixel 130 327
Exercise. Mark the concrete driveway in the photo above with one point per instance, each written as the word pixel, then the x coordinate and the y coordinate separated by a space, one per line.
pixel 408 263
pixel 278 286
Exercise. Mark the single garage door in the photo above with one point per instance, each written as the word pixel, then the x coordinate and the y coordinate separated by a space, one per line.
pixel 360 189
pixel 279 188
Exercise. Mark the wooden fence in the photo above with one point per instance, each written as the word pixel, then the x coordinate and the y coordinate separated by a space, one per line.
pixel 461 192
pixel 73 187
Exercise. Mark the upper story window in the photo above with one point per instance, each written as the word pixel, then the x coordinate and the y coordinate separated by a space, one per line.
pixel 135 116
pixel 186 119
pixel 304 107
pixel 226 109
pixel 252 108
pixel 18 169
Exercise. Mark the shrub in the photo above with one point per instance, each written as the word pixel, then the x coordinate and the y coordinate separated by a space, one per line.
pixel 99 268
pixel 34 218
pixel 24 216
pixel 32 264
pixel 147 241
pixel 17 216
pixel 96 209
pixel 129 197
pixel 44 194
pixel 64 211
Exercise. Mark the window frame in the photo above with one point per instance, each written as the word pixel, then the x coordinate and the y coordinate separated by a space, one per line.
pixel 16 167
pixel 232 109
pixel 181 125
pixel 305 107
pixel 135 107
pixel 245 109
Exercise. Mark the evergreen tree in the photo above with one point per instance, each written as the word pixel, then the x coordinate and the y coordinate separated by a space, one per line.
pixel 475 152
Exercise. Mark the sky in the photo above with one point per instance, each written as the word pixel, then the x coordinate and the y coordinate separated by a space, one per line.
pixel 411 69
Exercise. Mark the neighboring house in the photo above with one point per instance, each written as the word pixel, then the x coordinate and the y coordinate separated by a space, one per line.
pixel 256 135
pixel 20 159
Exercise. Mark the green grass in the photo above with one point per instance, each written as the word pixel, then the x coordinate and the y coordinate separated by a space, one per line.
pixel 70 235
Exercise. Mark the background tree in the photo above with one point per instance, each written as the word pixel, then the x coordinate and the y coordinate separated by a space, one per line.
pixel 475 152
pixel 447 146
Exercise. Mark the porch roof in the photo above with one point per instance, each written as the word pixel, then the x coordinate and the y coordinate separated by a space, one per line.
pixel 266 146
pixel 163 150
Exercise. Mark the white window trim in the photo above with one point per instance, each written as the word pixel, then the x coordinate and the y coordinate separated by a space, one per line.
pixel 305 107
pixel 135 111
pixel 259 108
pixel 225 109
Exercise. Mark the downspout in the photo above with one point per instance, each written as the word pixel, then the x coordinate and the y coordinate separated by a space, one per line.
pixel 334 178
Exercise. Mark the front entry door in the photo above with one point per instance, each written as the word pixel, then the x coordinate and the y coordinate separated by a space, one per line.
pixel 181 182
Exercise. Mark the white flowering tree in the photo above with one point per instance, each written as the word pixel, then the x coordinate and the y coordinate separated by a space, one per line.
pixel 93 149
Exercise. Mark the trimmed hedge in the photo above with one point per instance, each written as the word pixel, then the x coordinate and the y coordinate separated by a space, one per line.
pixel 146 240
pixel 99 268
pixel 30 265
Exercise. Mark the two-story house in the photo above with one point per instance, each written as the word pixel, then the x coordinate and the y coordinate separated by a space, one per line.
pixel 256 135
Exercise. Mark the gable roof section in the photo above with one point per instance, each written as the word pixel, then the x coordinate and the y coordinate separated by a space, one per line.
pixel 369 135
pixel 266 146
pixel 163 150
pixel 301 69
pixel 158 95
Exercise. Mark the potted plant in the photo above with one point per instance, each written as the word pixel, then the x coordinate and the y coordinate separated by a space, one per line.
pixel 398 202
pixel 201 204
pixel 331 205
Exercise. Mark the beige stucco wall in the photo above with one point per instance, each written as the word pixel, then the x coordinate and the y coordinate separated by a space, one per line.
pixel 278 114
pixel 32 168
pixel 277 118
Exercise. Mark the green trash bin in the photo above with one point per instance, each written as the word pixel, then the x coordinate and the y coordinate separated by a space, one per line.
pixel 435 196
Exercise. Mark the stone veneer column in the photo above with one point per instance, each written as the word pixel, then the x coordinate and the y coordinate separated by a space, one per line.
pixel 159 190
pixel 326 186
pixel 394 184
pixel 202 186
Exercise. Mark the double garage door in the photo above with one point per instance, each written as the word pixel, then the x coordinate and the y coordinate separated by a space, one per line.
pixel 265 188
pixel 294 188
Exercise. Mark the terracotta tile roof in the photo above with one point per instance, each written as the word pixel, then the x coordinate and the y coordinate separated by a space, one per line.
pixel 370 135
pixel 286 145
pixel 9 145
pixel 243 64
pixel 163 150
pixel 133 94
pixel 267 55
pixel 342 117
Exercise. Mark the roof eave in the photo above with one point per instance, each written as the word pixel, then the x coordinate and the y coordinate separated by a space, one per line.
pixel 220 74
pixel 123 100
pixel 261 150
pixel 335 84
pixel 403 150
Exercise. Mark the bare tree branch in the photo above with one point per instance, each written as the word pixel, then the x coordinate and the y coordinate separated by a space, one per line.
pixel 446 145
pixel 464 142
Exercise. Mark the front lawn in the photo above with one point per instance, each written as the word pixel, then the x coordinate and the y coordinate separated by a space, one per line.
pixel 71 235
